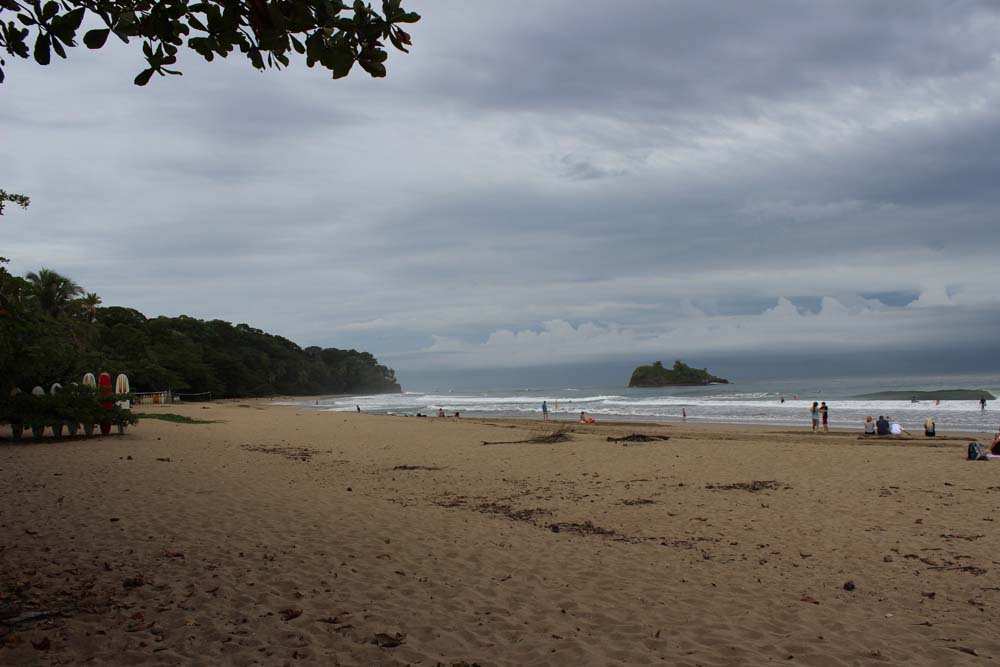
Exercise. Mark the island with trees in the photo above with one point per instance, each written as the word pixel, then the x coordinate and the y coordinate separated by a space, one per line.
pixel 681 375
pixel 51 330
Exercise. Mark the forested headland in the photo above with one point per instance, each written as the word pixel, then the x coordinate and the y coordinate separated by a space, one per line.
pixel 51 330
pixel 655 375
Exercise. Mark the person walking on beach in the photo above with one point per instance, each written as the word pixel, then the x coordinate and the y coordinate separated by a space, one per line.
pixel 545 410
pixel 359 408
pixel 814 413
pixel 825 411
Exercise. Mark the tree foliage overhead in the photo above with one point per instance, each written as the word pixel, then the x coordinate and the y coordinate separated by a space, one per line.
pixel 12 197
pixel 330 33
pixel 40 345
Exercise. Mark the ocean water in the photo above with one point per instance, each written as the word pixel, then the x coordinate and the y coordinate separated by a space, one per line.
pixel 742 402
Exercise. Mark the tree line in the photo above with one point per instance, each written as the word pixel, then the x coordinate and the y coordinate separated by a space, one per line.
pixel 52 330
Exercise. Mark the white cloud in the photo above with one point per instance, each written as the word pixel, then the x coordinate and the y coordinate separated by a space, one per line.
pixel 781 327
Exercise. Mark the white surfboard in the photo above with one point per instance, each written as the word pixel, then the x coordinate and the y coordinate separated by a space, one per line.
pixel 122 387
pixel 89 380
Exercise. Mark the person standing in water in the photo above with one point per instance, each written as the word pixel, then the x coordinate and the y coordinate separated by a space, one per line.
pixel 814 413
pixel 545 410
pixel 982 403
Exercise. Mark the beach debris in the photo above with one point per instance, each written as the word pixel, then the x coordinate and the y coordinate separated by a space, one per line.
pixel 964 649
pixel 454 501
pixel 849 586
pixel 752 487
pixel 289 614
pixel 303 454
pixel 585 528
pixel 385 640
pixel 808 598
pixel 164 459
pixel 971 569
pixel 511 513
pixel 638 501
pixel 561 434
pixel 638 437
pixel 409 467
pixel 16 618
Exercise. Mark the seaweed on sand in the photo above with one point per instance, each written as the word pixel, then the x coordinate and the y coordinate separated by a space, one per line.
pixel 638 437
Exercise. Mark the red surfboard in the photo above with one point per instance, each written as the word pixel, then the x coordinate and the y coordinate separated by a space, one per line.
pixel 104 389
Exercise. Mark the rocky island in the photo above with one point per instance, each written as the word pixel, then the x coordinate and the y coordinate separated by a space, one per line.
pixel 679 376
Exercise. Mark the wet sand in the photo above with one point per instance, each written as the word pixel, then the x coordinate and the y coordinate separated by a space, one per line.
pixel 283 536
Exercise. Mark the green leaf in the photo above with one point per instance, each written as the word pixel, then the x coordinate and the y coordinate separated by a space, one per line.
pixel 74 18
pixel 94 39
pixel 42 55
pixel 50 9
pixel 143 77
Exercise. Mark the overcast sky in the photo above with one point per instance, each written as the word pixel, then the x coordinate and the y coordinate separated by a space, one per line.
pixel 545 183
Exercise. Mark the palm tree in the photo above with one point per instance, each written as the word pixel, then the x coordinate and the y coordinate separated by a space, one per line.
pixel 51 291
pixel 89 304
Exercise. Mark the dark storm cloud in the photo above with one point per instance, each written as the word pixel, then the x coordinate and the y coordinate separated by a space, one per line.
pixel 559 182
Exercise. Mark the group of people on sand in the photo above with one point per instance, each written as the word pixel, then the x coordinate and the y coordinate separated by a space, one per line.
pixel 886 425
pixel 820 412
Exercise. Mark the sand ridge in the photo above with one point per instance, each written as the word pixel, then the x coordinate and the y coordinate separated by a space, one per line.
pixel 287 536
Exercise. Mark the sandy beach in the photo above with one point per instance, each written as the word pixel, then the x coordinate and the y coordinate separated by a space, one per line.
pixel 283 536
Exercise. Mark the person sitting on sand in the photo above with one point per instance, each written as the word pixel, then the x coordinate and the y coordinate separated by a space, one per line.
pixel 882 426
pixel 440 412
pixel 929 427
pixel 995 447
pixel 869 425
pixel 583 417
pixel 895 428
pixel 815 416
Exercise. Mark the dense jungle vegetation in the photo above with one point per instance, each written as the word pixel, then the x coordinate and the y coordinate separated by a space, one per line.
pixel 51 330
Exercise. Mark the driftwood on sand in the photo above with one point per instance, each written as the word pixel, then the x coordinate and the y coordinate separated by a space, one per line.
pixel 561 434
